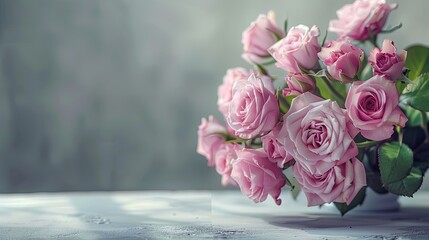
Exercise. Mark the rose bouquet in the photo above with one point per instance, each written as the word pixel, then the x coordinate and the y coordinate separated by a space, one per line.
pixel 349 115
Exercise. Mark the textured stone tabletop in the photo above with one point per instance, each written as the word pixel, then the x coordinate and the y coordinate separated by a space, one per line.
pixel 198 215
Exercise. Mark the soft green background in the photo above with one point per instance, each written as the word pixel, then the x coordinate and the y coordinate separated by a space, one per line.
pixel 108 94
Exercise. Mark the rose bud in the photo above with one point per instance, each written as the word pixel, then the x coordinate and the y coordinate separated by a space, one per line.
pixel 342 59
pixel 259 36
pixel 224 156
pixel 210 138
pixel 298 83
pixel 386 62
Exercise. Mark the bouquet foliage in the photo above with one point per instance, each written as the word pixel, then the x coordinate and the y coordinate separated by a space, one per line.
pixel 350 113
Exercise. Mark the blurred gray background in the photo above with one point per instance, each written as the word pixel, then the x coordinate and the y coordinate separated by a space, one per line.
pixel 108 94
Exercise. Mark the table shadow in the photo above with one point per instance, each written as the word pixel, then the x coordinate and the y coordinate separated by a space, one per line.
pixel 407 223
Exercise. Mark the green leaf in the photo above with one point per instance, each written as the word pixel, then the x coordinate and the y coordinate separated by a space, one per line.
pixel 400 86
pixel 413 136
pixel 276 35
pixel 422 155
pixel 373 178
pixel 284 105
pixel 361 154
pixel 292 182
pixel 417 60
pixel 285 26
pixel 261 69
pixel 366 72
pixel 295 188
pixel 289 99
pixel 358 200
pixel 327 93
pixel 324 38
pixel 371 159
pixel 416 94
pixel 395 162
pixel 414 116
pixel 421 158
pixel 409 185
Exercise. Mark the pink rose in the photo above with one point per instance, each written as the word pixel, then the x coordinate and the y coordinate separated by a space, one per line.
pixel 298 83
pixel 342 59
pixel 274 148
pixel 210 138
pixel 298 49
pixel 359 19
pixel 339 184
pixel 259 36
pixel 223 158
pixel 318 133
pixel 254 109
pixel 257 176
pixel 225 90
pixel 373 107
pixel 386 62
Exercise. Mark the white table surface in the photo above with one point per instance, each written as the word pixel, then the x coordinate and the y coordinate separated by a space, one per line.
pixel 197 215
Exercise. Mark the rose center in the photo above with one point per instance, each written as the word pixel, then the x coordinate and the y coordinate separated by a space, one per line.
pixel 383 59
pixel 386 59
pixel 315 134
pixel 244 109
pixel 334 55
pixel 369 104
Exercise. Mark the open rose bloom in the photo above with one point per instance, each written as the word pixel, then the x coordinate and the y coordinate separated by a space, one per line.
pixel 297 50
pixel 361 19
pixel 337 119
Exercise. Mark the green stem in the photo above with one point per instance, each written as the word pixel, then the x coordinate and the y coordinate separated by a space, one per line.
pixel 269 63
pixel 283 104
pixel 392 29
pixel 263 71
pixel 400 134
pixel 373 41
pixel 237 140
pixel 334 91
pixel 424 124
pixel 254 145
pixel 366 144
